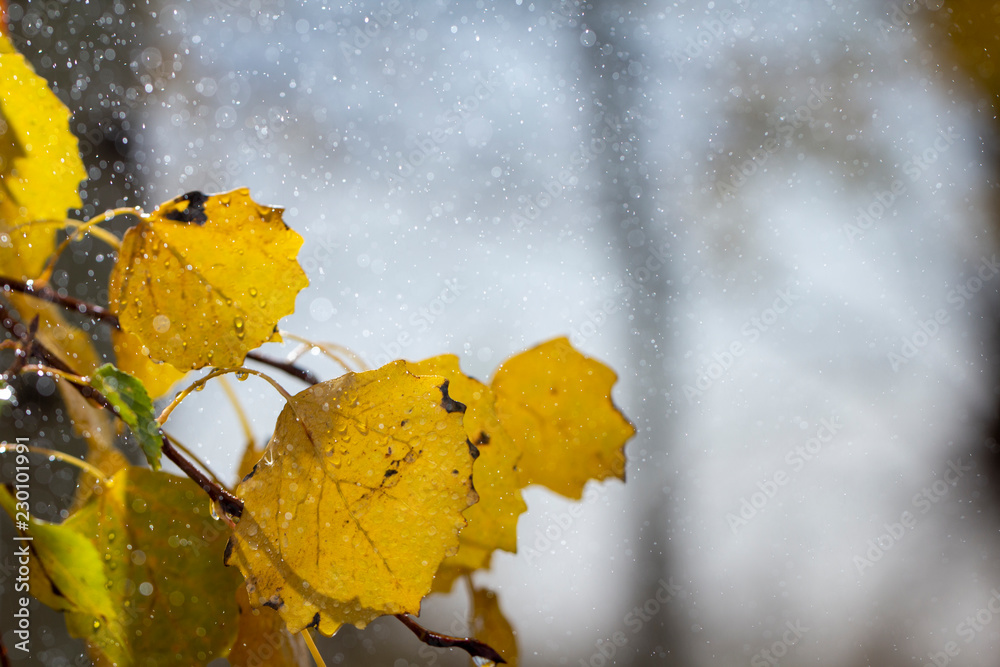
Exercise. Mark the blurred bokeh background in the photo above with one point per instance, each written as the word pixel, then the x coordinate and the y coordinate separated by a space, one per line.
pixel 775 220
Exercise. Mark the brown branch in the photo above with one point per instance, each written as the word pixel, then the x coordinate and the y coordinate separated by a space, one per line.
pixel 4 659
pixel 22 354
pixel 232 505
pixel 303 374
pixel 48 294
pixel 229 503
pixel 101 313
pixel 473 647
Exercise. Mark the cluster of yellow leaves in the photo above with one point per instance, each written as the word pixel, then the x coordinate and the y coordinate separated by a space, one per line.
pixel 365 491
pixel 376 488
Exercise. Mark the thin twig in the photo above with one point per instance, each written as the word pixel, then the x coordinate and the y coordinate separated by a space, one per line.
pixel 232 505
pixel 473 647
pixel 52 296
pixel 303 374
pixel 102 313
pixel 25 350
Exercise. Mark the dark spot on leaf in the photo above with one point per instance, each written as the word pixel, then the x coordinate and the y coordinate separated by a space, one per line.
pixel 483 439
pixel 404 423
pixel 472 449
pixel 390 473
pixel 315 622
pixel 229 551
pixel 448 403
pixel 252 472
pixel 195 211
pixel 454 472
pixel 275 602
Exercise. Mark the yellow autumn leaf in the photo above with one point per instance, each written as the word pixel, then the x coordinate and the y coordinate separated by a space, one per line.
pixel 493 520
pixel 357 500
pixel 556 403
pixel 133 358
pixel 263 639
pixel 40 166
pixel 490 626
pixel 204 279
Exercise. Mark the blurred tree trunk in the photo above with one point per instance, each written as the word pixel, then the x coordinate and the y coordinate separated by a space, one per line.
pixel 628 185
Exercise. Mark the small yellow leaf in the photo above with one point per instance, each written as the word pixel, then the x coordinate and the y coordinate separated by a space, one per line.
pixel 264 639
pixel 357 500
pixel 490 626
pixel 40 166
pixel 556 403
pixel 493 520
pixel 133 358
pixel 204 279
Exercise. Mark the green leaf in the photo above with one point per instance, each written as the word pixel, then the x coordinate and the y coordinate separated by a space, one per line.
pixel 131 402
pixel 71 575
pixel 138 571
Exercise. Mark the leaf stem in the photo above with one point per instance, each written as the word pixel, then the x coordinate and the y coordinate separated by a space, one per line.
pixel 200 382
pixel 241 414
pixel 307 638
pixel 103 234
pixel 332 350
pixel 49 370
pixel 473 647
pixel 50 264
pixel 65 458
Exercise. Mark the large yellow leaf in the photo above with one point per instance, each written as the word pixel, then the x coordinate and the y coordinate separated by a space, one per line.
pixel 40 166
pixel 556 403
pixel 204 279
pixel 493 520
pixel 357 500
pixel 136 574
